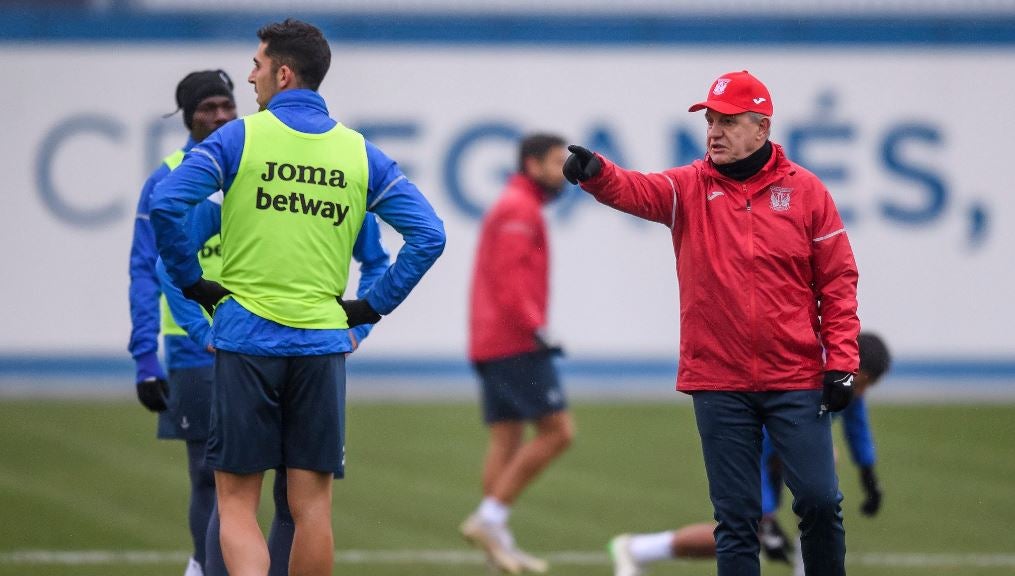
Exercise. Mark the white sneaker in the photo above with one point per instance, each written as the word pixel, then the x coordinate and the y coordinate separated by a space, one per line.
pixel 193 569
pixel 495 540
pixel 623 563
pixel 530 563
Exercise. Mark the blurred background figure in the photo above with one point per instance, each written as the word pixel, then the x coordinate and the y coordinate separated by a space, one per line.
pixel 511 353
pixel 182 401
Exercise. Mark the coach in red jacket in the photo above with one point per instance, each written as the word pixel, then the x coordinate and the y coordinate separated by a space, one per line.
pixel 768 322
pixel 510 290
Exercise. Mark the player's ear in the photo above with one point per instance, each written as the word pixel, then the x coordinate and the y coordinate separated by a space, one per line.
pixel 285 76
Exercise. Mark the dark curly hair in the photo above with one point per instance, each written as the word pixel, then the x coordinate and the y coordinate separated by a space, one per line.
pixel 300 46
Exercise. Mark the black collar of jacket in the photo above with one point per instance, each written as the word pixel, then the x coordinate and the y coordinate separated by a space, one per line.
pixel 745 168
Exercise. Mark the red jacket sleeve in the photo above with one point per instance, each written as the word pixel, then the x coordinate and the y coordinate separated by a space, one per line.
pixel 835 280
pixel 650 196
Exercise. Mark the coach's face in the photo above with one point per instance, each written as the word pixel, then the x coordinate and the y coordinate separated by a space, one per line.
pixel 732 137
pixel 263 77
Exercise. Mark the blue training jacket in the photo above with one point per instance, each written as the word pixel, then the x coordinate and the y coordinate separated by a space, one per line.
pixel 144 293
pixel 857 430
pixel 206 221
pixel 212 165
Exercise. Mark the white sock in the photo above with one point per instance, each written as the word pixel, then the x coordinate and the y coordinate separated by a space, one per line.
pixel 492 511
pixel 646 548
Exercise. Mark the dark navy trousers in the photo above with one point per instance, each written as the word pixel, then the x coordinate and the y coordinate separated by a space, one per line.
pixel 730 427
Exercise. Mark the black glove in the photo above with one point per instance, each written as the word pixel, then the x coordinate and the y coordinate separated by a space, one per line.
pixel 837 393
pixel 774 542
pixel 551 347
pixel 581 165
pixel 869 480
pixel 359 312
pixel 153 393
pixel 207 293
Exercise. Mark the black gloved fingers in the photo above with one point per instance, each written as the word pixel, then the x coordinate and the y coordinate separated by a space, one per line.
pixel 581 165
pixel 872 489
pixel 358 312
pixel 153 394
pixel 837 391
pixel 583 154
pixel 207 293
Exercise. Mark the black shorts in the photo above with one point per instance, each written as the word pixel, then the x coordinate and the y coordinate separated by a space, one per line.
pixel 189 405
pixel 522 387
pixel 278 411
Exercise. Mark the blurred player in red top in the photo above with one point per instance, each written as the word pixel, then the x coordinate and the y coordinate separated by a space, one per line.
pixel 510 352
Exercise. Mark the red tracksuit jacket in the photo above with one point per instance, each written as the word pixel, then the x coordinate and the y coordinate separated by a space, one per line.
pixel 510 283
pixel 766 273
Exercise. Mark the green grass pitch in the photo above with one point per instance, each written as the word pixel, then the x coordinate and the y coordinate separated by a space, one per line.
pixel 90 476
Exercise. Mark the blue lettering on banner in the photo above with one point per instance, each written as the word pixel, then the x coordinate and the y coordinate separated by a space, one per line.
pixel 376 131
pixel 687 145
pixel 823 130
pixel 929 184
pixel 472 136
pixel 57 203
pixel 920 198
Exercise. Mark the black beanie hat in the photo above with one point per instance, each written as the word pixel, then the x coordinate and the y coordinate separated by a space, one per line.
pixel 197 86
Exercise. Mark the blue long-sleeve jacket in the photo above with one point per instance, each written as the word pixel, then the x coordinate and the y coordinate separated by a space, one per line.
pixel 206 221
pixel 213 165
pixel 857 431
pixel 144 293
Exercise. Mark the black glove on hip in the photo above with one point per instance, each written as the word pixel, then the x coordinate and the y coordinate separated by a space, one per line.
pixel 153 394
pixel 359 312
pixel 838 391
pixel 869 480
pixel 207 293
pixel 581 165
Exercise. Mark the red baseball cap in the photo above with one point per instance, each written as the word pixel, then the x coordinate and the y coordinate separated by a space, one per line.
pixel 736 93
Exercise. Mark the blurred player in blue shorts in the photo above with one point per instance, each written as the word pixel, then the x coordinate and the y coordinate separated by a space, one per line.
pixel 182 401
pixel 632 553
pixel 510 352
pixel 296 188
pixel 204 227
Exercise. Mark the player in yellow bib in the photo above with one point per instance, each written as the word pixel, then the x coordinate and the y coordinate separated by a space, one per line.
pixel 297 185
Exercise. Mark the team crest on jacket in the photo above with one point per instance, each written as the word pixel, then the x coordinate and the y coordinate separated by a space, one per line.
pixel 779 201
pixel 720 86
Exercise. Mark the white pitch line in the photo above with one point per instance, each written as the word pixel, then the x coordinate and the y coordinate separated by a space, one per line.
pixel 467 557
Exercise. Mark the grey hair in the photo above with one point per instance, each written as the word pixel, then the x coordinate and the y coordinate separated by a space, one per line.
pixel 756 117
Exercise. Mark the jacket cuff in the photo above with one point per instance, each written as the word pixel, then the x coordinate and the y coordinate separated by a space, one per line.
pixel 148 366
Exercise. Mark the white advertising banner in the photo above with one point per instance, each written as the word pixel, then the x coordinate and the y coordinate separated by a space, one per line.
pixel 911 142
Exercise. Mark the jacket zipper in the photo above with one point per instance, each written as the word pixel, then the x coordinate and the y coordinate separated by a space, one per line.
pixel 751 304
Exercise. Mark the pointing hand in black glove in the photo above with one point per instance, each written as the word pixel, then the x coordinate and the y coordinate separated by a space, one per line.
pixel 153 393
pixel 869 480
pixel 359 312
pixel 207 293
pixel 581 165
pixel 837 393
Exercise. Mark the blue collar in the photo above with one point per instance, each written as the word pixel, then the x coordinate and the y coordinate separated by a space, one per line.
pixel 298 98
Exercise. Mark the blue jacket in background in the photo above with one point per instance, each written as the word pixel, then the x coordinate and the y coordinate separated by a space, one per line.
pixel 144 293
pixel 206 221
pixel 213 164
